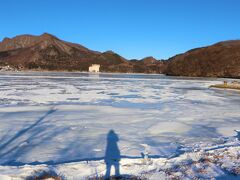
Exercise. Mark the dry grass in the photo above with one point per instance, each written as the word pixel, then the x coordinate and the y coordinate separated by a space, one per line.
pixel 42 175
pixel 224 86
pixel 122 177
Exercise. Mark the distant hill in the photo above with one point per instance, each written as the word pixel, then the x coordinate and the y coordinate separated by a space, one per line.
pixel 219 60
pixel 148 65
pixel 47 52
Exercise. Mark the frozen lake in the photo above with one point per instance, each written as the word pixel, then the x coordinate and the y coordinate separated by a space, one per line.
pixel 64 117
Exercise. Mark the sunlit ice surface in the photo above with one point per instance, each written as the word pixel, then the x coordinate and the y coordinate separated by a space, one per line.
pixel 65 117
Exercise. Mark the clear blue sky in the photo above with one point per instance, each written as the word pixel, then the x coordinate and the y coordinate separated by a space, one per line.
pixel 132 28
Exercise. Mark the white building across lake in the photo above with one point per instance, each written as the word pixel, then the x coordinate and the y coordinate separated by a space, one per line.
pixel 94 68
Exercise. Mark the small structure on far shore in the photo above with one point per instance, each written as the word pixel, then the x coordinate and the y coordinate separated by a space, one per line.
pixel 94 68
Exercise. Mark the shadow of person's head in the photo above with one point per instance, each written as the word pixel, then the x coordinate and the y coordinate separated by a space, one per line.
pixel 112 136
pixel 112 154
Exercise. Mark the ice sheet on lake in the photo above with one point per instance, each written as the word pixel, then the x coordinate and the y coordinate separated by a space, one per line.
pixel 64 117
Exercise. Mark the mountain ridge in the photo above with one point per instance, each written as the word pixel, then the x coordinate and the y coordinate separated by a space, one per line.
pixel 221 59
pixel 47 52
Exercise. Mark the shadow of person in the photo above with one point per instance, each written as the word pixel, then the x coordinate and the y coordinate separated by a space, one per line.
pixel 112 154
pixel 238 134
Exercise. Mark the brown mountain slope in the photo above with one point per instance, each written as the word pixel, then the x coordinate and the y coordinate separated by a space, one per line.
pixel 47 52
pixel 219 60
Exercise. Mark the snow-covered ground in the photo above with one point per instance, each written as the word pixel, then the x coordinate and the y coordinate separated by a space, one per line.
pixel 61 121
